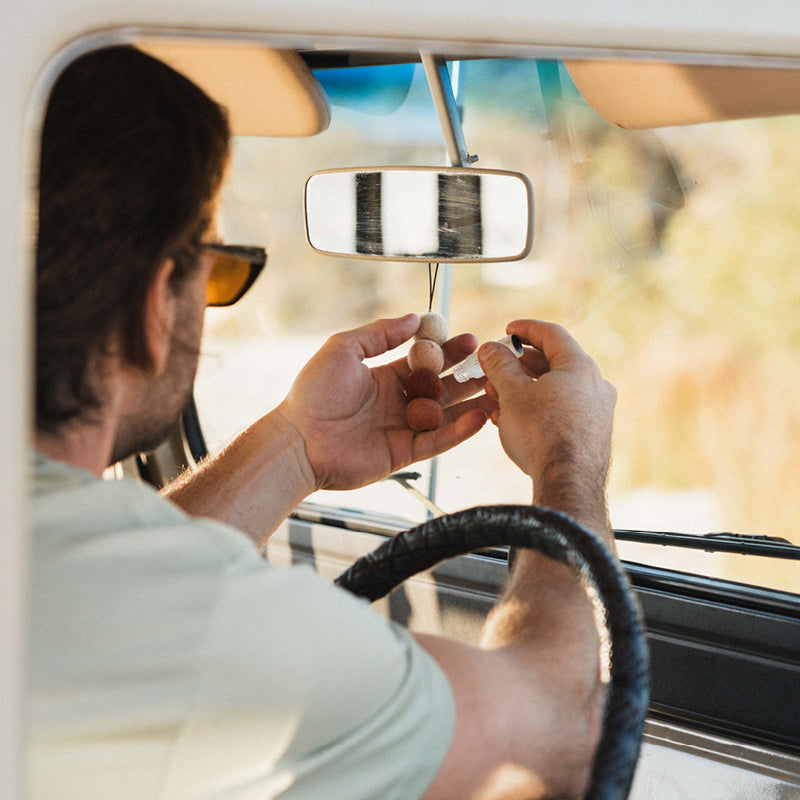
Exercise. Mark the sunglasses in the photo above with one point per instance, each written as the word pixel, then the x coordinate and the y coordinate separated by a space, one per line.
pixel 235 269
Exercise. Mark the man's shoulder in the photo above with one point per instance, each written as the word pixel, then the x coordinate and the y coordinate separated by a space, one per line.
pixel 72 509
pixel 131 598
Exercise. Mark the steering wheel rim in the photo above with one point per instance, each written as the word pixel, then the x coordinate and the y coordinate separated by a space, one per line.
pixel 559 537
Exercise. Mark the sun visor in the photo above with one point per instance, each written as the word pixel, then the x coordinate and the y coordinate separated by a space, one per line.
pixel 652 94
pixel 267 92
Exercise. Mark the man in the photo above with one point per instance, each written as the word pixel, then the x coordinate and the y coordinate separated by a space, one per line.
pixel 167 658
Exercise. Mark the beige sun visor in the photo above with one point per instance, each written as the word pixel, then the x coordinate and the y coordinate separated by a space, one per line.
pixel 632 94
pixel 267 92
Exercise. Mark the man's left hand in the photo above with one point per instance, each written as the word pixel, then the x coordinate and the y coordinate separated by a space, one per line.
pixel 352 417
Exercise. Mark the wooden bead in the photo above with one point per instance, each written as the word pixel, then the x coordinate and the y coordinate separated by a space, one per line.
pixel 424 414
pixel 423 383
pixel 426 354
pixel 432 326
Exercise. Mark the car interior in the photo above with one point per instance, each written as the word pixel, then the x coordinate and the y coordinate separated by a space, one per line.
pixel 650 206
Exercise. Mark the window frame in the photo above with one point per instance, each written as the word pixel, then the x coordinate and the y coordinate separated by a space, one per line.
pixel 38 44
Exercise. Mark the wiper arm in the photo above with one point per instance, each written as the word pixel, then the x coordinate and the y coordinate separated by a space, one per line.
pixel 745 544
pixel 403 479
pixel 740 543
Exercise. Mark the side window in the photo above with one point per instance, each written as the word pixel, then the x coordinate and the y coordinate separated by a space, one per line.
pixel 670 254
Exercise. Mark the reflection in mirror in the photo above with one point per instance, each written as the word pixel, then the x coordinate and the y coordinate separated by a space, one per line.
pixel 420 214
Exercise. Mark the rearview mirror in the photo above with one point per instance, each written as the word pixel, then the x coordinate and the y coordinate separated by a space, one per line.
pixel 420 214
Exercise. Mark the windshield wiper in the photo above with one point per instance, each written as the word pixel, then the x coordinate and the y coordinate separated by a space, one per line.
pixel 740 543
pixel 745 544
pixel 404 478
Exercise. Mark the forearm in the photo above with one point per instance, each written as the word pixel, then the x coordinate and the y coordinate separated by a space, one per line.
pixel 544 630
pixel 545 610
pixel 578 490
pixel 542 600
pixel 253 484
pixel 544 615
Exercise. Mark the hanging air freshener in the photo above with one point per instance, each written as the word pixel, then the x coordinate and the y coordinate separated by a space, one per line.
pixel 423 386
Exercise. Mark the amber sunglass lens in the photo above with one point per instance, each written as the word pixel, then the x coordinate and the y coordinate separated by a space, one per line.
pixel 229 276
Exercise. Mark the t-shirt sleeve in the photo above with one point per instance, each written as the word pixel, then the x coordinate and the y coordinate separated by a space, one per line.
pixel 307 693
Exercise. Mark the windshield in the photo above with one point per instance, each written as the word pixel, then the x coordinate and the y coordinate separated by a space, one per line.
pixel 669 254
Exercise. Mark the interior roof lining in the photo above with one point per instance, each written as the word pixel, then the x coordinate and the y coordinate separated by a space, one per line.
pixel 351 56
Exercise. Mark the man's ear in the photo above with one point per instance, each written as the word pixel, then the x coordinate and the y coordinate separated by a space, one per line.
pixel 159 317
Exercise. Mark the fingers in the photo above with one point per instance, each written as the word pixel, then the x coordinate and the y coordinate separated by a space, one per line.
pixel 558 348
pixel 430 443
pixel 376 337
pixel 481 402
pixel 502 367
pixel 458 348
pixel 551 347
pixel 534 362
pixel 554 348
pixel 383 335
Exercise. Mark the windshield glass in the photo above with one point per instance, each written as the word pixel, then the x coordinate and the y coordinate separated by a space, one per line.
pixel 669 254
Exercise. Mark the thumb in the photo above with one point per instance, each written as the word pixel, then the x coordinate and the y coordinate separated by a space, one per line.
pixel 377 337
pixel 501 366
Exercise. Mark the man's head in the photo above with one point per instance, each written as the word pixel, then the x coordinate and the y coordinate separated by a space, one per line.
pixel 133 156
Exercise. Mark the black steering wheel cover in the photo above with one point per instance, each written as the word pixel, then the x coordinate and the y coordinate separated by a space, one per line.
pixel 561 538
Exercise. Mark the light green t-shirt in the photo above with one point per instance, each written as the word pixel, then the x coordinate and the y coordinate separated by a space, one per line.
pixel 168 660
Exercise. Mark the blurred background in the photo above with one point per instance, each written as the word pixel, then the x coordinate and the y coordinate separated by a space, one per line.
pixel 671 255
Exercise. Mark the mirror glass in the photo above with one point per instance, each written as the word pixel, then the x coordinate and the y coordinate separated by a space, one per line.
pixel 420 214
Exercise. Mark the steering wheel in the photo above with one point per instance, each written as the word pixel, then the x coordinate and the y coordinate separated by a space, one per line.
pixel 559 537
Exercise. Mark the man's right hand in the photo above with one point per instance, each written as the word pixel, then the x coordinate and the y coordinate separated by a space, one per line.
pixel 554 415
pixel 540 647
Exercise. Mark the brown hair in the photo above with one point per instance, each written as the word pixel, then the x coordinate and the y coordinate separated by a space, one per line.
pixel 133 155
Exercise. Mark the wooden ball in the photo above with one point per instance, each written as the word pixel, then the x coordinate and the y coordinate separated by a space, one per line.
pixel 432 326
pixel 424 414
pixel 426 354
pixel 423 383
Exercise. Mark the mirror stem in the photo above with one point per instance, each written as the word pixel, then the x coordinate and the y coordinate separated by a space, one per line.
pixel 445 102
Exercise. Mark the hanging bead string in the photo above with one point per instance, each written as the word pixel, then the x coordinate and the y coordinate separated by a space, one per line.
pixel 423 387
pixel 432 276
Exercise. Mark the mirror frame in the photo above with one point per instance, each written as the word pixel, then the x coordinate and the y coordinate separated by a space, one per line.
pixel 427 259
